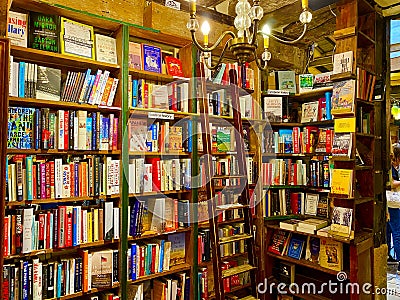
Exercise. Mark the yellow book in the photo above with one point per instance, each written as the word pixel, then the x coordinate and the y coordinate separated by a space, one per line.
pixel 345 125
pixel 342 182
pixel 76 39
pixel 95 225
pixel 90 227
pixel 331 254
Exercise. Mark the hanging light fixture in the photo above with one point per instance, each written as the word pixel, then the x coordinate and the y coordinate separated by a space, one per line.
pixel 243 44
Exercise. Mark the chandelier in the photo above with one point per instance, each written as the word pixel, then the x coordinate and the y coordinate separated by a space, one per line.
pixel 243 44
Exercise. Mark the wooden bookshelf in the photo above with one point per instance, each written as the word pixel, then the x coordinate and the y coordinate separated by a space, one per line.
pixel 157 235
pixel 60 200
pixel 173 270
pixel 63 152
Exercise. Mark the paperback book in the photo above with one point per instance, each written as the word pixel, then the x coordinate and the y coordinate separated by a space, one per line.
pixel 342 144
pixel 48 85
pixel 106 49
pixel 306 82
pixel 343 62
pixel 309 112
pixel 135 56
pixel 151 58
pixel 273 109
pixel 20 127
pixel 77 39
pixel 17 30
pixel 287 81
pixel 343 97
pixel 331 254
pixel 341 221
pixel 44 32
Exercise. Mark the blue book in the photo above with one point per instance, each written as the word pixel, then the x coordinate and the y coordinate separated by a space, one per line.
pixel 133 261
pixel 29 179
pixel 59 272
pixel 295 247
pixel 21 77
pixel 25 281
pixel 161 260
pixel 154 136
pixel 287 136
pixel 151 58
pixel 190 135
pixel 134 92
pixel 75 227
pixel 76 180
pixel 30 279
pixel 89 88
pixel 134 215
pixel 37 122
pixel 85 86
pixel 94 131
pixel 147 263
pixel 139 93
pixel 105 130
pixel 89 133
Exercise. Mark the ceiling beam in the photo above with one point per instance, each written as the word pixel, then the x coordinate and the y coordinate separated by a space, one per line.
pixel 321 61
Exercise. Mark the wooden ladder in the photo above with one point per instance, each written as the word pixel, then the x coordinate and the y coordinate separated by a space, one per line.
pixel 244 200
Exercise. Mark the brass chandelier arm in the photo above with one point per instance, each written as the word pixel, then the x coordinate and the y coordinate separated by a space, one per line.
pixel 216 44
pixel 255 33
pixel 291 41
pixel 260 65
pixel 211 67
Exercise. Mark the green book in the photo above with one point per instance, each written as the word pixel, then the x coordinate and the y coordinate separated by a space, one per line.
pixel 223 139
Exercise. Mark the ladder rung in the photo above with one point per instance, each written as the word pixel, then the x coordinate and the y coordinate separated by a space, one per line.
pixel 231 206
pixel 237 270
pixel 234 238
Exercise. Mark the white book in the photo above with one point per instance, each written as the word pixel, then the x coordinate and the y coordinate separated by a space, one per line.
pixel 27 224
pixel 98 89
pixel 116 165
pixel 84 227
pixel 72 276
pixel 14 79
pixel 132 177
pixel 106 49
pixel 58 190
pixel 112 92
pixel 110 175
pixel 116 222
pixel 79 224
pixel 108 221
pixel 90 271
pixel 106 74
pixel 66 181
pixel 76 132
pixel 184 86
pixel 343 62
pixel 61 128
pixel 82 118
pixel 148 179
pixel 139 175
pixel 17 28
pixel 37 279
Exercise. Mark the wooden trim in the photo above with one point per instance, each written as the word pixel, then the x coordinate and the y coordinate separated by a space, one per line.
pixel 4 77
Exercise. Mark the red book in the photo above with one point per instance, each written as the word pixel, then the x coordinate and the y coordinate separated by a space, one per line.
pixel 41 231
pixel 6 225
pixel 52 193
pixel 68 237
pixel 296 140
pixel 156 174
pixel 294 203
pixel 13 230
pixel 174 101
pixel 226 281
pixel 329 138
pixel 199 248
pixel 153 259
pixel 48 181
pixel 279 242
pixel 34 180
pixel 174 66
pixel 146 95
pixel 142 260
pixel 115 135
pixel 48 230
pixel 295 170
pixel 66 131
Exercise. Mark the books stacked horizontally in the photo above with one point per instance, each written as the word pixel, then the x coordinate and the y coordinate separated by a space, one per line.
pixel 29 80
pixel 49 279
pixel 30 128
pixel 44 177
pixel 59 227
pixel 311 225
pixel 157 215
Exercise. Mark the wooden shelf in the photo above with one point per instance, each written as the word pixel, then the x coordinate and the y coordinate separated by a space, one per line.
pixel 64 152
pixel 138 153
pixel 147 194
pixel 82 294
pixel 61 250
pixel 143 112
pixel 153 76
pixel 31 102
pixel 365 40
pixel 319 123
pixel 361 200
pixel 156 235
pixel 343 76
pixel 60 200
pixel 295 154
pixel 206 225
pixel 366 135
pixel 364 102
pixel 304 263
pixel 312 93
pixel 226 257
pixel 364 168
pixel 57 59
pixel 172 270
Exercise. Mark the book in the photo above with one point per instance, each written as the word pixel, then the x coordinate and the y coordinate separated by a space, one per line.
pixel 341 221
pixel 312 249
pixel 151 58
pixel 135 56
pixel 323 207
pixel 48 85
pixel 44 32
pixel 296 246
pixel 17 30
pixel 343 97
pixel 272 109
pixel 331 254
pixel 137 131
pixel 286 81
pixel 311 204
pixel 20 127
pixel 313 224
pixel 223 139
pixel 342 182
pixel 289 224
pixel 342 144
pixel 102 269
pixel 306 82
pixel 76 39
pixel 286 272
pixel 279 242
pixel 106 49
pixel 343 62
pixel 309 112
pixel 174 66
pixel 177 248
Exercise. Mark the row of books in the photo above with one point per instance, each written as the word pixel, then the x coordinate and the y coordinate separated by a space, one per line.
pixel 155 255
pixel 156 174
pixel 36 279
pixel 365 85
pixel 159 136
pixel 145 94
pixel 42 177
pixel 53 33
pixel 325 252
pixel 173 287
pixel 309 140
pixel 363 120
pixel 157 215
pixel 245 75
pixel 34 128
pixel 285 202
pixel 27 230
pixel 284 172
pixel 29 80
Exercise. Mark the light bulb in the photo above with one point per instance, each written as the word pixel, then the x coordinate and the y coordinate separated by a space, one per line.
pixel 205 28
pixel 305 17
pixel 266 30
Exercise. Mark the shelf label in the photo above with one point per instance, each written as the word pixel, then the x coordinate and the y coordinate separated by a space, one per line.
pixel 278 92
pixel 159 115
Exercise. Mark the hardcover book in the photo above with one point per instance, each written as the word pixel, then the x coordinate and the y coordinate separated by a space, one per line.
pixel 151 58
pixel 279 242
pixel 20 127
pixel 76 39
pixel 342 182
pixel 273 109
pixel 287 81
pixel 311 204
pixel 343 97
pixel 102 269
pixel 309 112
pixel 17 29
pixel 177 248
pixel 296 245
pixel 48 85
pixel 341 221
pixel 343 62
pixel 174 66
pixel 223 139
pixel 44 32
pixel 106 49
pixel 306 82
pixel 137 129
pixel 342 144
pixel 331 254
pixel 313 249
pixel 135 56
